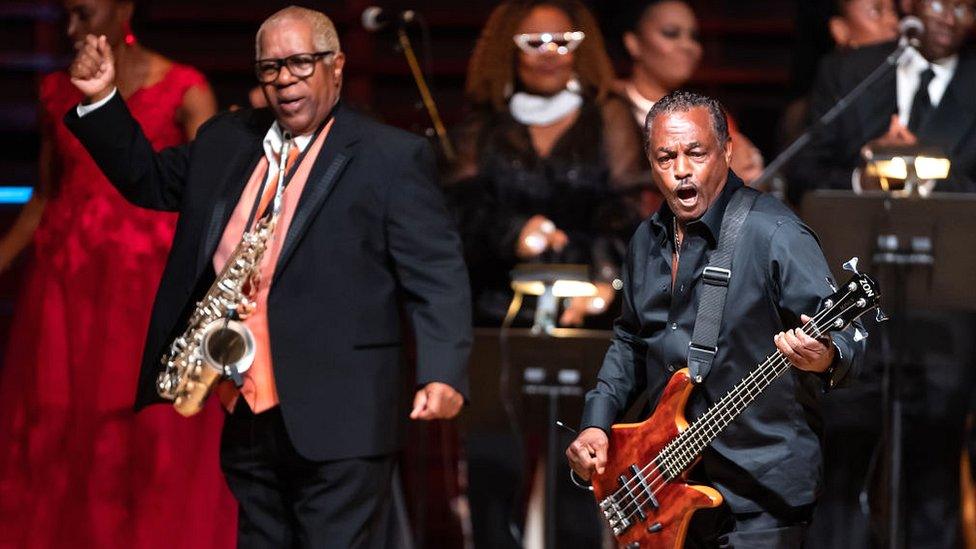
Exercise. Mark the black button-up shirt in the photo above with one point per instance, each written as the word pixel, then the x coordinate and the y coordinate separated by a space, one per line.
pixel 778 272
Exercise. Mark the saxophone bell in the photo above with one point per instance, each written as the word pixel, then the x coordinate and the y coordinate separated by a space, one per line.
pixel 228 346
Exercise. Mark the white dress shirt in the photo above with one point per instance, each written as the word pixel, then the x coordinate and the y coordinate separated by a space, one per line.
pixel 908 74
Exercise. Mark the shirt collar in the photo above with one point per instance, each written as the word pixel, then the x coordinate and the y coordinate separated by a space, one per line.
pixel 275 138
pixel 710 224
pixel 943 68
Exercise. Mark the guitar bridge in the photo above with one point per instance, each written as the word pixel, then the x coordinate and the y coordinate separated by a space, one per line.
pixel 633 495
pixel 614 514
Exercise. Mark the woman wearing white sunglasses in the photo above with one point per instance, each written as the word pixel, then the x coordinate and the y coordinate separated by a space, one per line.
pixel 543 149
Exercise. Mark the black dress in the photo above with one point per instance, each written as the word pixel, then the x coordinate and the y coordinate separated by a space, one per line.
pixel 500 181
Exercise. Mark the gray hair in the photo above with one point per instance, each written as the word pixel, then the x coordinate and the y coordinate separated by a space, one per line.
pixel 324 35
pixel 684 101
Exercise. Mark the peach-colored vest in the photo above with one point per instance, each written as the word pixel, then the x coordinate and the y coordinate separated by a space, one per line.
pixel 259 385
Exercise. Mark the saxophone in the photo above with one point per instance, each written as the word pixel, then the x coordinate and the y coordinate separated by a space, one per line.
pixel 216 344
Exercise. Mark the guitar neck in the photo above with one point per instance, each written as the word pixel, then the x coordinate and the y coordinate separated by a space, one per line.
pixel 856 297
pixel 685 449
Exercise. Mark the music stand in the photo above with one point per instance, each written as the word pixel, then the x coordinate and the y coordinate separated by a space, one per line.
pixel 921 252
pixel 544 370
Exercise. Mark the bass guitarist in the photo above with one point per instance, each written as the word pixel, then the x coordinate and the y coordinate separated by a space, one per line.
pixel 767 463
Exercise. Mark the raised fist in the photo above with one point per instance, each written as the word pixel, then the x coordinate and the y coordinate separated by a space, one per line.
pixel 93 70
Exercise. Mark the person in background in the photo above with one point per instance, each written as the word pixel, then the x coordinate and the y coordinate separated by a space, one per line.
pixel 664 44
pixel 852 24
pixel 858 23
pixel 541 153
pixel 77 466
pixel 851 425
pixel 926 100
pixel 897 110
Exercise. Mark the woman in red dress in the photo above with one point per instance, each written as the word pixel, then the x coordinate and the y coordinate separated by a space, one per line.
pixel 78 467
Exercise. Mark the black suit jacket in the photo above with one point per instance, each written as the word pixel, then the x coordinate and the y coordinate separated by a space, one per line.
pixel 370 233
pixel 834 153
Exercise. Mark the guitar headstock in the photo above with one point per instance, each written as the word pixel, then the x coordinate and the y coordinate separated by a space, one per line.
pixel 857 296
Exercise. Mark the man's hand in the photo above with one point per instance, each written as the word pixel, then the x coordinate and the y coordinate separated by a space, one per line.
pixel 93 70
pixel 538 235
pixel 804 352
pixel 436 401
pixel 588 453
pixel 747 161
pixel 580 307
pixel 897 134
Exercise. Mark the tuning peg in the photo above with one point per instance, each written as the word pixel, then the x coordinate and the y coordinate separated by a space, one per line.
pixel 880 316
pixel 851 265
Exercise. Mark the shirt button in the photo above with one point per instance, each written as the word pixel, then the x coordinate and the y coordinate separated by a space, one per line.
pixel 674 326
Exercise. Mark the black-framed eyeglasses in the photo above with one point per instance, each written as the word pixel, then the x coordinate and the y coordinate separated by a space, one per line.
pixel 300 65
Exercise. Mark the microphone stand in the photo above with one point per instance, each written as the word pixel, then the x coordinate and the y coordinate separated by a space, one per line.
pixel 842 105
pixel 425 96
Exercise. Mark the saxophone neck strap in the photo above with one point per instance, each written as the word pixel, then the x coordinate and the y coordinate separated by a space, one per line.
pixel 285 178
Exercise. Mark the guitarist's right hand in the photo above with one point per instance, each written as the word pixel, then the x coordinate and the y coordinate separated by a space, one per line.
pixel 588 453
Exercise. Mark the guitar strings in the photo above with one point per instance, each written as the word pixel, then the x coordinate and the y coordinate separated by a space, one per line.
pixel 681 448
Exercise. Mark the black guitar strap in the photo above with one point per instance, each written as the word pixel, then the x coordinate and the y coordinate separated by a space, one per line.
pixel 715 279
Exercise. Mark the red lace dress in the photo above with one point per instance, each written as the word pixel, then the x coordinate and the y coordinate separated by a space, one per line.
pixel 78 468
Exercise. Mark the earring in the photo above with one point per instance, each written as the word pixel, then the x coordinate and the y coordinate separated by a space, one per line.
pixel 130 38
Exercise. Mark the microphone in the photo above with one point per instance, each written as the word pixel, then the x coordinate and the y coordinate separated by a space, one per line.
pixel 911 29
pixel 375 18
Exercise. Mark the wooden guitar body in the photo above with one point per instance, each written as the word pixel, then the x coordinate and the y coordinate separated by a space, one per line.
pixel 635 445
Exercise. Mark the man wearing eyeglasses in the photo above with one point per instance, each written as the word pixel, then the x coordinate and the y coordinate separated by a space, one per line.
pixel 312 427
pixel 927 100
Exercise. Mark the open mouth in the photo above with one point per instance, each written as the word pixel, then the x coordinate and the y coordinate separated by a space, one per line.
pixel 290 105
pixel 685 194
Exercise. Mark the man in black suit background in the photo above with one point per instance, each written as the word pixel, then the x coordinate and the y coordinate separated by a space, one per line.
pixel 939 360
pixel 897 110
pixel 311 464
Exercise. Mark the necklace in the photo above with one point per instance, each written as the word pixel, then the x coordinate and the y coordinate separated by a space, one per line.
pixel 677 238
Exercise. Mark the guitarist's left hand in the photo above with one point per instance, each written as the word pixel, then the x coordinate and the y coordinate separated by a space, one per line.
pixel 803 351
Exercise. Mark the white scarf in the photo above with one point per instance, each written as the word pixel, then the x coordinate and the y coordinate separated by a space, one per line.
pixel 538 110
